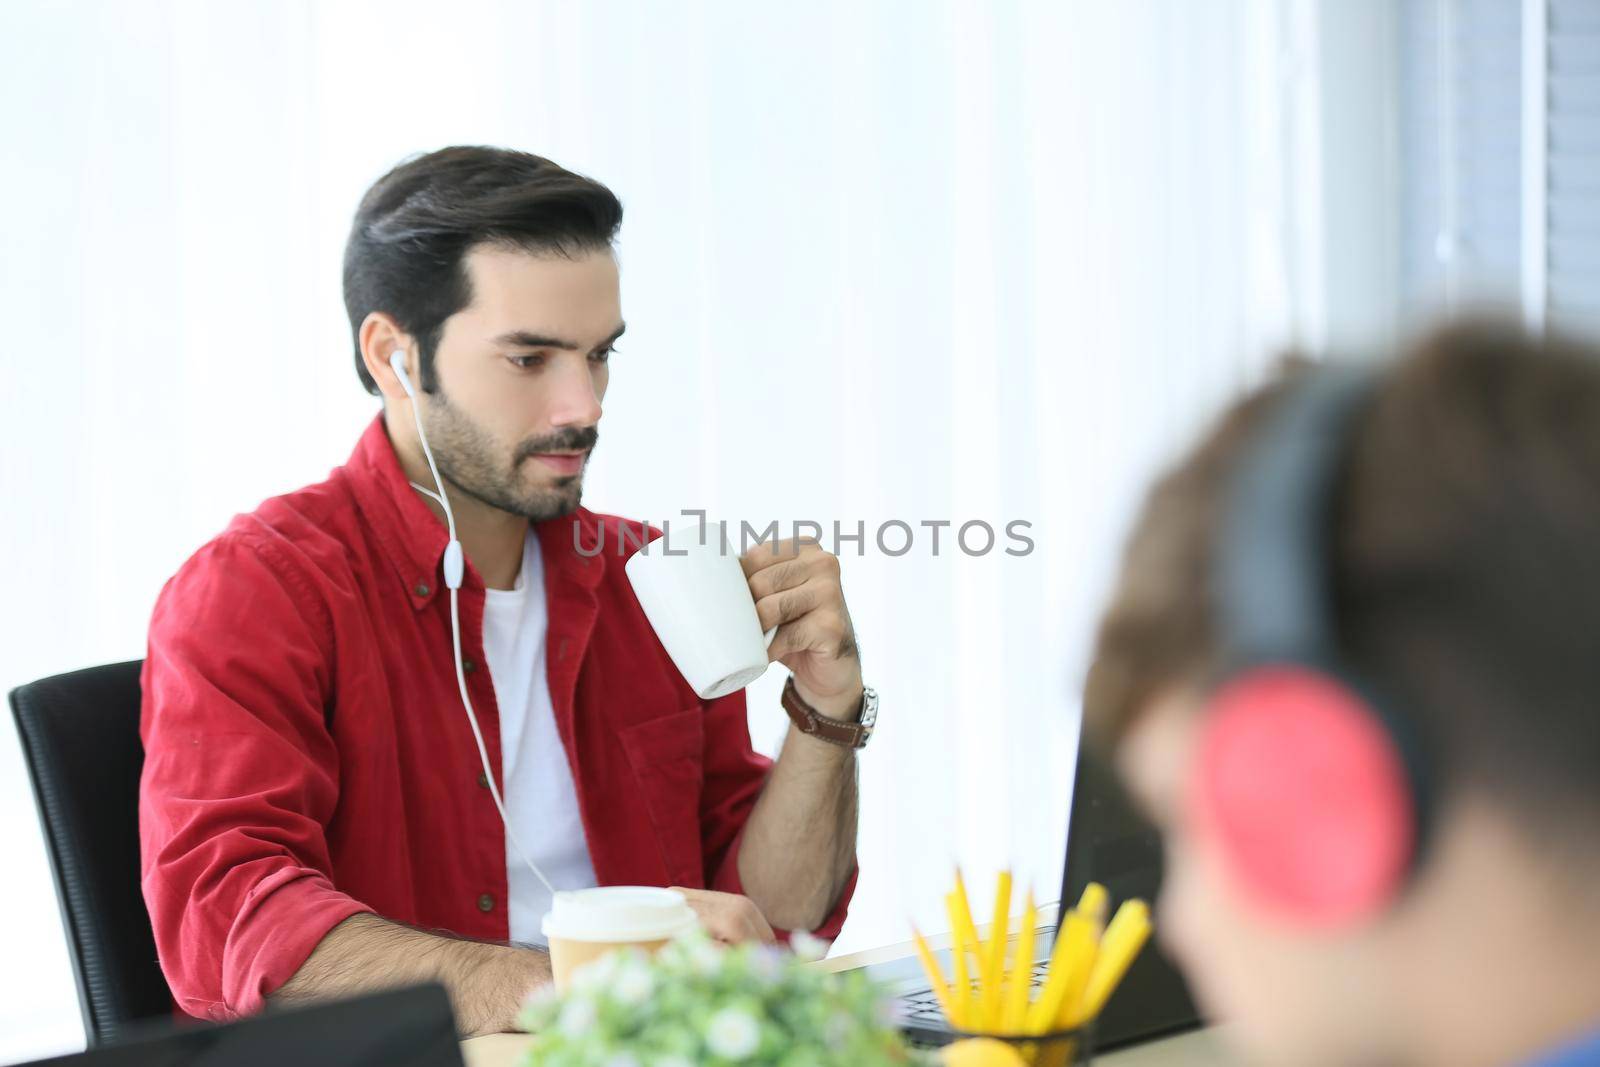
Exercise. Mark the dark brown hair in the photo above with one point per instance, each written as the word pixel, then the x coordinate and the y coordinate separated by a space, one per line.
pixel 417 222
pixel 1465 570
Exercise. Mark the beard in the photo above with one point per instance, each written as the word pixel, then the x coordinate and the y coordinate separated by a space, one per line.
pixel 470 460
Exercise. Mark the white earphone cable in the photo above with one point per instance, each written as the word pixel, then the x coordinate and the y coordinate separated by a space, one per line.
pixel 455 622
pixel 429 493
pixel 483 752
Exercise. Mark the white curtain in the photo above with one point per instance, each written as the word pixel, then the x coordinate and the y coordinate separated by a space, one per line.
pixel 881 261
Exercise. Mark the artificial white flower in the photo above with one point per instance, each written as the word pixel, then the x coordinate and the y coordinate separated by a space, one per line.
pixel 577 1016
pixel 633 984
pixel 705 958
pixel 542 996
pixel 596 973
pixel 733 1033
pixel 766 963
pixel 808 947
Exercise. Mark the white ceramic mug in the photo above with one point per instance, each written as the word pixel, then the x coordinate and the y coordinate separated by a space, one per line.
pixel 699 604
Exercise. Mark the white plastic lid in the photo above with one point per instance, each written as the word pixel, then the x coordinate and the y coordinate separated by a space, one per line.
pixel 618 913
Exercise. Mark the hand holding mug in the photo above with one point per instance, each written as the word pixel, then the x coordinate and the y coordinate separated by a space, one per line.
pixel 723 618
pixel 796 586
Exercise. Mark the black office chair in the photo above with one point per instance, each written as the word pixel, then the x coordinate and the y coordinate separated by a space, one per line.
pixel 80 736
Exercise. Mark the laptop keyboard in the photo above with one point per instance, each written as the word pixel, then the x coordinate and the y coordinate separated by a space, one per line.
pixel 922 1007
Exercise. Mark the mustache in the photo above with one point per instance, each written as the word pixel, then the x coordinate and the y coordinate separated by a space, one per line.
pixel 566 441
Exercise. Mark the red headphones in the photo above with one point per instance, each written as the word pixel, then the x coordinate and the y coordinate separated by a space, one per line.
pixel 1304 777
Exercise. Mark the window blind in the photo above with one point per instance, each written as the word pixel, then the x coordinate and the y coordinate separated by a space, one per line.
pixel 1573 166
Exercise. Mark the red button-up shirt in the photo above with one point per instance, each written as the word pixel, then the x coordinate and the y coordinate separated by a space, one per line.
pixel 307 756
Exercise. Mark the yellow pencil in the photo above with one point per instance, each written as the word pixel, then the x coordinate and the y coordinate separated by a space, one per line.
pixel 1019 983
pixel 974 946
pixel 968 926
pixel 935 974
pixel 995 953
pixel 961 993
pixel 1125 936
pixel 1068 1014
pixel 1092 906
pixel 1074 942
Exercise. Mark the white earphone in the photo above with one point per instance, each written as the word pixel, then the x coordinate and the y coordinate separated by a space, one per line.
pixel 454 568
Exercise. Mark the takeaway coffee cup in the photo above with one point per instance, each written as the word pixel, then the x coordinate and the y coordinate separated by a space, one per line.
pixel 697 599
pixel 584 924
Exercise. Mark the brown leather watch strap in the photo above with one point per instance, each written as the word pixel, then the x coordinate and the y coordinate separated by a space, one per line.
pixel 810 721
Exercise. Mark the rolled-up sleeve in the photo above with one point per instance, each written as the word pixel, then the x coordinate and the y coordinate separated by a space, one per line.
pixel 240 777
pixel 734 776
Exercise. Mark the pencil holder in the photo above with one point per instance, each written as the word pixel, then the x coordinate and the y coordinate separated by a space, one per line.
pixel 1059 1048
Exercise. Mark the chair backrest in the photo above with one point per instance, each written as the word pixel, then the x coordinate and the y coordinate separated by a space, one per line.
pixel 80 737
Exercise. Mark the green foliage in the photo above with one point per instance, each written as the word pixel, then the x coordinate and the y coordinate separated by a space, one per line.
pixel 697 1002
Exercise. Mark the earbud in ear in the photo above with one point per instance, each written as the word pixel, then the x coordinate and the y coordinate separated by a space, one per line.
pixel 397 360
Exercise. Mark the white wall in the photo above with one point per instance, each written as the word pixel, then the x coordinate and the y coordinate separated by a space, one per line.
pixel 881 261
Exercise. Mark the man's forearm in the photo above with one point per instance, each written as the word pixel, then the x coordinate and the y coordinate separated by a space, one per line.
pixel 800 842
pixel 487 983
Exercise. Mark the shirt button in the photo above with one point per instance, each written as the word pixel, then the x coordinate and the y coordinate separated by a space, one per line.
pixel 421 589
pixel 486 903
pixel 468 666
pixel 483 779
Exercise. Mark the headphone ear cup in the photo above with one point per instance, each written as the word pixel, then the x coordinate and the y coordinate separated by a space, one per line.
pixel 1304 791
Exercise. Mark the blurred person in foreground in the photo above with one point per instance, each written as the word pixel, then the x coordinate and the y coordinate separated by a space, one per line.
pixel 1378 781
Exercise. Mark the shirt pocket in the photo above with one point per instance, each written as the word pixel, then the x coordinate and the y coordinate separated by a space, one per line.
pixel 667 757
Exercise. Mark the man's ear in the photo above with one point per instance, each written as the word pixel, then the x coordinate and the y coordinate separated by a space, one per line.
pixel 380 335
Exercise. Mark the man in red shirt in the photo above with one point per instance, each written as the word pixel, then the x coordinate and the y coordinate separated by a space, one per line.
pixel 315 817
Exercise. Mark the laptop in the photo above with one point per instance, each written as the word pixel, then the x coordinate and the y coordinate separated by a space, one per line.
pixel 410 1027
pixel 1110 842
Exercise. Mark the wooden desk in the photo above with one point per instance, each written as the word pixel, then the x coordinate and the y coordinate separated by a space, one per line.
pixel 1197 1048
pixel 495 1050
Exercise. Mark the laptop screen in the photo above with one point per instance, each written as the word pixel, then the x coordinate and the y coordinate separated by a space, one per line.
pixel 1109 841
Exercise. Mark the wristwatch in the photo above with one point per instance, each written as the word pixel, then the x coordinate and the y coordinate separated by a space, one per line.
pixel 835 731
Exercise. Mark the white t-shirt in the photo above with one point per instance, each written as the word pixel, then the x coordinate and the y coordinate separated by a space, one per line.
pixel 539 795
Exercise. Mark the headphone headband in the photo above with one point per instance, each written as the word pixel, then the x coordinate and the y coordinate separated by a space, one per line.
pixel 1270 568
